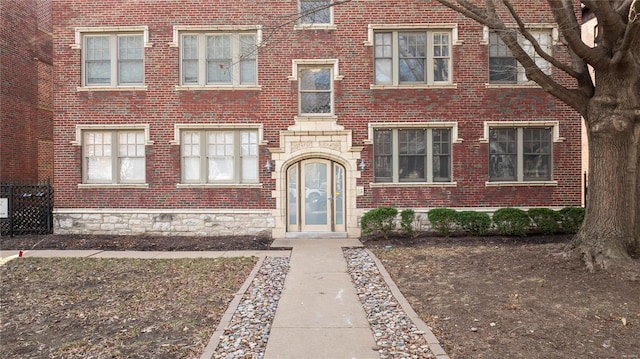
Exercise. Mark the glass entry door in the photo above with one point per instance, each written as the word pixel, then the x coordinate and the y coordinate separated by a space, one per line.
pixel 316 196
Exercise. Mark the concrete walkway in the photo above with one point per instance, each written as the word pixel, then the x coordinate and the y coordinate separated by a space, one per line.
pixel 319 314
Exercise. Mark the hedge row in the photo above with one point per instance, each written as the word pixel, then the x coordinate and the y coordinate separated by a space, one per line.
pixel 505 221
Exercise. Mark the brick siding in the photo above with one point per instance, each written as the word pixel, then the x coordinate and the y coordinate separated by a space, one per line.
pixel 275 104
pixel 27 92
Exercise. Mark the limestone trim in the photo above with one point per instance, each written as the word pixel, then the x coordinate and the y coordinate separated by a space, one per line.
pixel 90 127
pixel 555 125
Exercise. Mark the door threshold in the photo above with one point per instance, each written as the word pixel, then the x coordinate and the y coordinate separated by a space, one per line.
pixel 317 234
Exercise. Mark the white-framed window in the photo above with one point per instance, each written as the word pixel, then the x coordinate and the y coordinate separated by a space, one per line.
pixel 219 155
pixel 412 56
pixel 113 156
pixel 412 154
pixel 315 12
pixel 315 90
pixel 218 58
pixel 113 59
pixel 503 67
pixel 520 154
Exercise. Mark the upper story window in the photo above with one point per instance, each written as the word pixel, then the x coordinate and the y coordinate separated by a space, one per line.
pixel 218 58
pixel 113 60
pixel 219 156
pixel 315 12
pixel 503 67
pixel 113 156
pixel 412 154
pixel 112 57
pixel 414 56
pixel 315 95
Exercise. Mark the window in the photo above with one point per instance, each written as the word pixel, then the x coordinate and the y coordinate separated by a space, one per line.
pixel 520 154
pixel 412 57
pixel 219 59
pixel 315 84
pixel 412 155
pixel 111 60
pixel 503 67
pixel 219 156
pixel 114 157
pixel 315 12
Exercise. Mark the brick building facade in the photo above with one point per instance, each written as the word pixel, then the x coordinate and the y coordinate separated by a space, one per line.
pixel 278 118
pixel 26 101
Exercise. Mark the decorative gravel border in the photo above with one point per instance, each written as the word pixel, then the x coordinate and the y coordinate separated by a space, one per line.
pixel 399 332
pixel 244 329
pixel 397 329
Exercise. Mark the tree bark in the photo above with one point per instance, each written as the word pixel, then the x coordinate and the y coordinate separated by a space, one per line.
pixel 611 229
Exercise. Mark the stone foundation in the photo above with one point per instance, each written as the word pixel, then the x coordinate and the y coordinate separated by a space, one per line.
pixel 163 223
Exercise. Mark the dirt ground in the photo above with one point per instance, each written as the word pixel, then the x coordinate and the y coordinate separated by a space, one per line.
pixel 114 308
pixel 515 297
pixel 489 297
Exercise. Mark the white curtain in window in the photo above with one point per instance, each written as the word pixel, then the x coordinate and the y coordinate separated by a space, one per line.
pixel 97 147
pixel 97 57
pixel 220 155
pixel 219 59
pixel 191 156
pixel 383 58
pixel 130 60
pixel 131 156
pixel 249 156
pixel 190 59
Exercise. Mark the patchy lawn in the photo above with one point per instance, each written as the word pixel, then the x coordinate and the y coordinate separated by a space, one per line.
pixel 114 308
pixel 515 298
pixel 488 297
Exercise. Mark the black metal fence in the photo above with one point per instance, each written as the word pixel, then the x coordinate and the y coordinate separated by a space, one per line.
pixel 26 209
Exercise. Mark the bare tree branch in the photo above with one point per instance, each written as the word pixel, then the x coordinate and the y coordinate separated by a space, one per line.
pixel 608 19
pixel 527 34
pixel 570 29
pixel 623 7
pixel 631 32
pixel 468 9
pixel 575 98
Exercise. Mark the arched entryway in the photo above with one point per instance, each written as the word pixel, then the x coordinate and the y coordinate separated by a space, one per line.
pixel 316 196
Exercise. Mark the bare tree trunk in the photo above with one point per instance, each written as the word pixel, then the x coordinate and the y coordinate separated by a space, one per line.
pixel 611 229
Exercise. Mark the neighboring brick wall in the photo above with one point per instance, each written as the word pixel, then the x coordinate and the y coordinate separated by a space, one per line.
pixel 27 93
pixel 275 105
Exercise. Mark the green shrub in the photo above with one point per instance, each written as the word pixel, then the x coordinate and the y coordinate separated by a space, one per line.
pixel 476 223
pixel 511 221
pixel 571 219
pixel 442 220
pixel 545 220
pixel 407 217
pixel 379 220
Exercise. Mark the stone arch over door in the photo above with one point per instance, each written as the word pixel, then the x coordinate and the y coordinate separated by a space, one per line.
pixel 321 143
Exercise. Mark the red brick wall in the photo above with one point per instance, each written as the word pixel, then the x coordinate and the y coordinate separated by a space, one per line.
pixel 27 93
pixel 275 105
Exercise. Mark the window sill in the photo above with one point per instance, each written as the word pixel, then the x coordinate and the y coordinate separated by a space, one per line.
pixel 219 185
pixel 413 86
pixel 522 184
pixel 315 27
pixel 413 184
pixel 219 87
pixel 111 88
pixel 306 118
pixel 114 185
pixel 530 85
